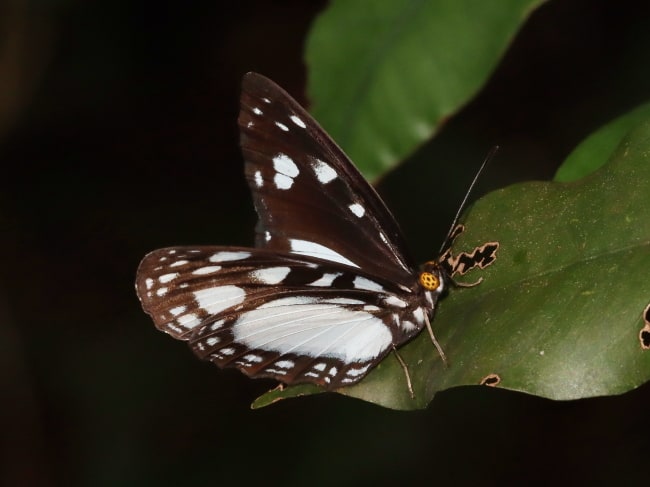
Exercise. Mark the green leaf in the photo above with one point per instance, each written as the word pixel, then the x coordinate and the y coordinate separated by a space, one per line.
pixel 594 151
pixel 558 314
pixel 384 75
pixel 282 392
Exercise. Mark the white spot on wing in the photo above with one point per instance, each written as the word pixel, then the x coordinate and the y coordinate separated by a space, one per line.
pixel 161 291
pixel 216 299
pixel 270 275
pixel 395 301
pixel 295 119
pixel 257 111
pixel 148 282
pixel 217 324
pixel 320 366
pixel 252 358
pixel 324 172
pixel 326 280
pixel 282 126
pixel 206 270
pixel 285 364
pixel 408 326
pixel 168 277
pixel 266 100
pixel 178 310
pixel 188 321
pixel 357 209
pixel 305 247
pixel 358 372
pixel 178 263
pixel 363 283
pixel 283 164
pixel 227 256
pixel 212 341
pixel 286 171
pixel 258 179
pixel 282 182
pixel 418 314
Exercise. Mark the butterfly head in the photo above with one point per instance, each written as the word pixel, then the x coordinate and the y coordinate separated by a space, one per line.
pixel 431 277
pixel 432 280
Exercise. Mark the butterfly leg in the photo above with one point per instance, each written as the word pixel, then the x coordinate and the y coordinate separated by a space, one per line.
pixel 405 368
pixel 435 341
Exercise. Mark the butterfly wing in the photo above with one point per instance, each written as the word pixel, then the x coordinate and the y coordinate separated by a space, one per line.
pixel 291 317
pixel 310 198
pixel 330 288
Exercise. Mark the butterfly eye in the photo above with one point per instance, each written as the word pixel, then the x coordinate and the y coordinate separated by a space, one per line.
pixel 429 281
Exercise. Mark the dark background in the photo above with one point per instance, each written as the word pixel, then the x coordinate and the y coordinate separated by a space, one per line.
pixel 118 136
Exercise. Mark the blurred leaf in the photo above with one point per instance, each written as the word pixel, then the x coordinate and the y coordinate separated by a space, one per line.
pixel 594 151
pixel 384 75
pixel 558 314
pixel 283 392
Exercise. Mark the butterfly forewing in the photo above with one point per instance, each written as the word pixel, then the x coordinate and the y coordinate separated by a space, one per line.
pixel 309 196
pixel 293 318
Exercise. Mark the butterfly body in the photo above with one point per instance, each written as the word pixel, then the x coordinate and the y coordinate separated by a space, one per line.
pixel 330 287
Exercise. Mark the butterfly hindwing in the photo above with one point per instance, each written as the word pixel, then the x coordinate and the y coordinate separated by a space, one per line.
pixel 290 317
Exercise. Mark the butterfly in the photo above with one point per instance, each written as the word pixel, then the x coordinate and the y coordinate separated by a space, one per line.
pixel 329 289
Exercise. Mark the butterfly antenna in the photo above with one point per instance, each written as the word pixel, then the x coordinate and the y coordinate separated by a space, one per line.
pixel 487 159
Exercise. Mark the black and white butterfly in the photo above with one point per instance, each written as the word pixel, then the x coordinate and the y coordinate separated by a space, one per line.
pixel 330 288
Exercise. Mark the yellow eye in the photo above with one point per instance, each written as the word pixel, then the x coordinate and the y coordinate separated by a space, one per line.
pixel 429 281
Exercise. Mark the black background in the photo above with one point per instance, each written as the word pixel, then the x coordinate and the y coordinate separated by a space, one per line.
pixel 118 136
